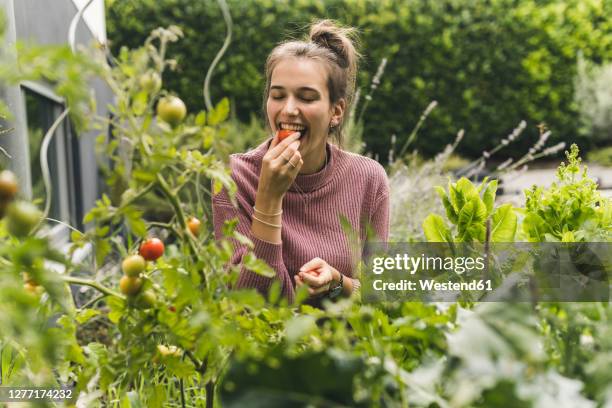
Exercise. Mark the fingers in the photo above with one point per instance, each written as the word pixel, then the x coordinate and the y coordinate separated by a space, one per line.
pixel 314 263
pixel 312 291
pixel 295 160
pixel 314 279
pixel 290 159
pixel 316 273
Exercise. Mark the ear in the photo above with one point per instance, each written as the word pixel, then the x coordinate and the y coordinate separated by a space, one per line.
pixel 338 112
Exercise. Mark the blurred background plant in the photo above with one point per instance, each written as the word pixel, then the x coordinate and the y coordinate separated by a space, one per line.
pixel 593 96
pixel 436 51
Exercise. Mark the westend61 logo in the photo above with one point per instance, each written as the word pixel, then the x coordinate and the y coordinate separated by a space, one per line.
pixel 514 271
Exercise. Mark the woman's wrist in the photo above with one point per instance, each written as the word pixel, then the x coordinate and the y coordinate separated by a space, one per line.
pixel 336 275
pixel 268 203
pixel 267 218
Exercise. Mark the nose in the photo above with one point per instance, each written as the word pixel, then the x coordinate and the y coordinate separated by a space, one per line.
pixel 291 107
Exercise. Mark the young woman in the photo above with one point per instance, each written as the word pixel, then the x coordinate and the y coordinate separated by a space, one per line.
pixel 292 193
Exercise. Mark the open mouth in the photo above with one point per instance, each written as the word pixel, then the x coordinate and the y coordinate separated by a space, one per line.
pixel 295 127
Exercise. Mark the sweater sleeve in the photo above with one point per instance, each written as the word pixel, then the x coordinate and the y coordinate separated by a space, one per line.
pixel 272 254
pixel 379 218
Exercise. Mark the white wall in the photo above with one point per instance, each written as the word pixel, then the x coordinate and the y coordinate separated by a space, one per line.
pixel 94 18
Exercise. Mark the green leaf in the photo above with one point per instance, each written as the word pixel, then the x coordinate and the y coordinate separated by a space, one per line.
pixel 482 185
pixel 451 214
pixel 534 227
pixel 503 224
pixel 219 113
pixel 139 105
pixel 258 266
pixel 83 316
pixel 299 327
pixel 143 175
pixel 467 188
pixel 435 229
pixel 117 309
pixel 200 119
pixel 489 196
pixel 473 212
pixel 568 236
pixel 456 197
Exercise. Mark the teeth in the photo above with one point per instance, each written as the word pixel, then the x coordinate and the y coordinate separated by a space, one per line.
pixel 292 126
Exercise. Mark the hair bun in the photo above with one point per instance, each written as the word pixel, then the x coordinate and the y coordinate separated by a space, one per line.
pixel 327 34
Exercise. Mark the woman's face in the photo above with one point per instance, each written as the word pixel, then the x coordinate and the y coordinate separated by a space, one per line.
pixel 299 100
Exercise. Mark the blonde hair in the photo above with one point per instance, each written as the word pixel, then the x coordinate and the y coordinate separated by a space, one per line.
pixel 334 46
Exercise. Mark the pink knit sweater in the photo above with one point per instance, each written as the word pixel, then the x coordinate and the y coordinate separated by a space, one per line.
pixel 349 185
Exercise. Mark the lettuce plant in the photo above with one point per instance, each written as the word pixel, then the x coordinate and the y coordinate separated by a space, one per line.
pixel 469 209
pixel 570 210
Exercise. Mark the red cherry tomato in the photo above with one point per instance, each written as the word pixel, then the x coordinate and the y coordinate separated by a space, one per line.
pixel 151 249
pixel 284 133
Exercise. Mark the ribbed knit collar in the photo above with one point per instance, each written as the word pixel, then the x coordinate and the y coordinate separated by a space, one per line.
pixel 307 182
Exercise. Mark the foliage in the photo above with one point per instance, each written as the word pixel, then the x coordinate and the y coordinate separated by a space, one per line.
pixel 471 210
pixel 516 355
pixel 436 51
pixel 195 339
pixel 594 98
pixel 571 210
pixel 601 156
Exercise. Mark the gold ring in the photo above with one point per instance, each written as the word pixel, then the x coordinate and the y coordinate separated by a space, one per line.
pixel 292 165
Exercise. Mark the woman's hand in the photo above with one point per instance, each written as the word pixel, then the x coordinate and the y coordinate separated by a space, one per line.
pixel 318 275
pixel 279 167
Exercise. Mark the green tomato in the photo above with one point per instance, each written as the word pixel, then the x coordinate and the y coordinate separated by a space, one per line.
pixel 22 217
pixel 133 265
pixel 130 286
pixel 147 299
pixel 150 82
pixel 171 109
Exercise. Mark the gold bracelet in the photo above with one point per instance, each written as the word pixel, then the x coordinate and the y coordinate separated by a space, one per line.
pixel 267 215
pixel 267 223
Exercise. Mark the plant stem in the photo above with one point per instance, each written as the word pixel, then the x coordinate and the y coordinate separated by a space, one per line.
pixel 93 301
pixel 210 394
pixel 180 218
pixel 182 385
pixel 414 132
pixel 93 284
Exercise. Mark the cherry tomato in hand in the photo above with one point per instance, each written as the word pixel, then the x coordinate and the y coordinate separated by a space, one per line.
pixel 284 133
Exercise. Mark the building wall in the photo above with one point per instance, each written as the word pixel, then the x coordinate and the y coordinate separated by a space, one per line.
pixel 47 22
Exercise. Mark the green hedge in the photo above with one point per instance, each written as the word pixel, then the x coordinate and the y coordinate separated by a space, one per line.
pixel 489 64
